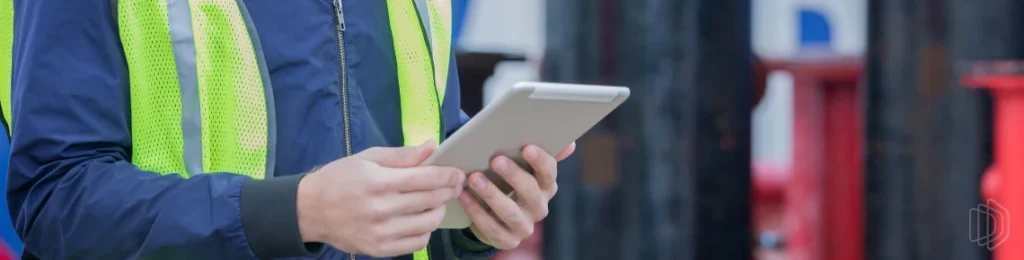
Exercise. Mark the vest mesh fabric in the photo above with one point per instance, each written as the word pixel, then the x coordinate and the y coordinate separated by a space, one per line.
pixel 6 57
pixel 422 77
pixel 233 109
pixel 230 91
pixel 421 254
pixel 157 140
pixel 441 41
pixel 416 78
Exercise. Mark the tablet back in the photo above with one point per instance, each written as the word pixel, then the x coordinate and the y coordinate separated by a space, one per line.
pixel 549 115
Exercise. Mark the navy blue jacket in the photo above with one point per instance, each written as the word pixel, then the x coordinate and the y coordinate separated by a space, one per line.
pixel 74 194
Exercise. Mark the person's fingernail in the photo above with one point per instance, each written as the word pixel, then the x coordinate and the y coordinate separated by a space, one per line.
pixel 453 178
pixel 477 182
pixel 462 179
pixel 501 164
pixel 531 152
pixel 465 198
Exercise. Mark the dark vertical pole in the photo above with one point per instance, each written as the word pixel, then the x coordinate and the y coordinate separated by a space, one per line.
pixel 689 128
pixel 572 41
pixel 681 143
pixel 927 139
pixel 890 98
pixel 713 114
pixel 560 238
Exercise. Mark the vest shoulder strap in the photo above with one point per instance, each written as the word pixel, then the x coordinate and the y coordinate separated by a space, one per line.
pixel 6 60
pixel 199 92
pixel 422 67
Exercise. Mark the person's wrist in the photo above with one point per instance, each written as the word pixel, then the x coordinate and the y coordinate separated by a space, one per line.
pixel 269 214
pixel 306 206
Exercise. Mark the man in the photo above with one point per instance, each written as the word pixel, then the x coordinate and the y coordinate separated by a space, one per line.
pixel 231 129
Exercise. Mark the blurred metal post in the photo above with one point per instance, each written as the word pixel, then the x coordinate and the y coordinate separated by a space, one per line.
pixel 681 144
pixel 710 107
pixel 572 39
pixel 928 139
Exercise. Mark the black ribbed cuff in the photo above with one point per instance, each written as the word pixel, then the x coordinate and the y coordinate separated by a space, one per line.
pixel 270 220
pixel 465 239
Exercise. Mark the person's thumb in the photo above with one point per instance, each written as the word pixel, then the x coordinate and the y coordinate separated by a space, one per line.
pixel 399 157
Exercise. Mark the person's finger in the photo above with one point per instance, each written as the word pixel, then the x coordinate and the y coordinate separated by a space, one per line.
pixel 420 201
pixel 415 224
pixel 424 178
pixel 545 169
pixel 531 197
pixel 504 208
pixel 399 157
pixel 402 246
pixel 566 152
pixel 485 225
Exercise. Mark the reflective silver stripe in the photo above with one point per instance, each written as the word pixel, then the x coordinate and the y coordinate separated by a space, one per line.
pixel 268 90
pixel 424 13
pixel 179 19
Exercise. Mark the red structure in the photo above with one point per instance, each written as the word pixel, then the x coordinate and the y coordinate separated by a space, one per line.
pixel 822 211
pixel 6 253
pixel 1003 181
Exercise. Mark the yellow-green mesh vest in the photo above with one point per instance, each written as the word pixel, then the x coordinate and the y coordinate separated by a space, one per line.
pixel 200 92
pixel 421 76
pixel 6 62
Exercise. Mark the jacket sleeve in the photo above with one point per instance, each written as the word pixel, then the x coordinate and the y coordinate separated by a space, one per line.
pixel 465 247
pixel 72 191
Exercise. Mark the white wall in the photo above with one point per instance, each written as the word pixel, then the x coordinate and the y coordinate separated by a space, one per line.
pixel 776 28
pixel 505 26
pixel 776 35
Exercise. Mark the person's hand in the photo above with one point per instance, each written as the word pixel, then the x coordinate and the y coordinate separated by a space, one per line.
pixel 377 202
pixel 511 219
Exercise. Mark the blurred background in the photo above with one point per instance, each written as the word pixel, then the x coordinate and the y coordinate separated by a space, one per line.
pixel 768 129
pixel 773 129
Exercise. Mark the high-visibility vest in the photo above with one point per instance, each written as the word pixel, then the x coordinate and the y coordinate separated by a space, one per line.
pixel 201 97
pixel 6 58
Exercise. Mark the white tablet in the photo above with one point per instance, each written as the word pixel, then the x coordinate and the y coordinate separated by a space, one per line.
pixel 549 115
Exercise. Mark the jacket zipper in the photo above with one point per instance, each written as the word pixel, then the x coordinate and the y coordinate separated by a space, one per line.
pixel 339 18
